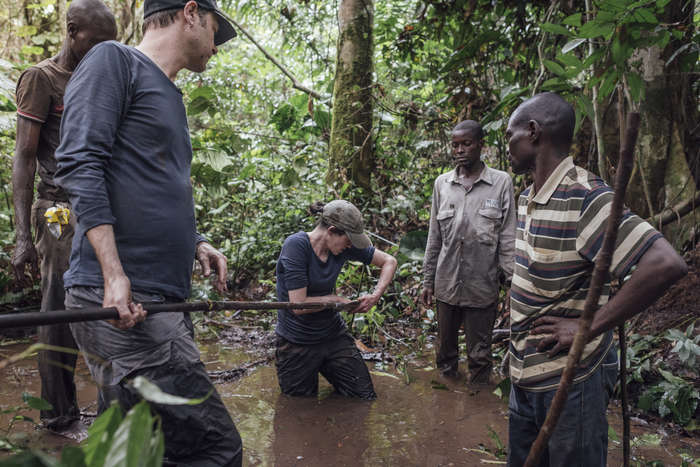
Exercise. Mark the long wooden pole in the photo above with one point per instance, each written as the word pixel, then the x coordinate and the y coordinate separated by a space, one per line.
pixel 600 274
pixel 46 318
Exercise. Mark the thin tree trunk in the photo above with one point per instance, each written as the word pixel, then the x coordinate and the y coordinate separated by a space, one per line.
pixel 597 108
pixel 351 156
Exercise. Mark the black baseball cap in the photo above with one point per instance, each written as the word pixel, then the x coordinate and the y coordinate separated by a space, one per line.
pixel 225 32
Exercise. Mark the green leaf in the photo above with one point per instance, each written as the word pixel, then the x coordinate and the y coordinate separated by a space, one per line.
pixel 674 335
pixel 153 393
pixel 132 440
pixel 636 86
pixel 587 105
pixel 197 106
pixel 596 28
pixel 556 84
pixel 101 434
pixel 609 84
pixel 573 20
pixel 689 330
pixel 665 37
pixel 570 60
pixel 612 435
pixel 555 29
pixel 24 31
pixel 677 34
pixel 471 48
pixel 594 57
pixel 569 46
pixel 577 113
pixel 610 5
pixel 73 457
pixel 643 15
pixel 38 404
pixel 675 380
pixel 284 117
pixel 619 52
pixel 289 178
pixel 32 50
pixel 30 459
pixel 202 91
pixel 322 118
pixel 554 67
pixel 413 244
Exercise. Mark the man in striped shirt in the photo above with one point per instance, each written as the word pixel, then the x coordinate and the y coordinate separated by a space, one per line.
pixel 561 223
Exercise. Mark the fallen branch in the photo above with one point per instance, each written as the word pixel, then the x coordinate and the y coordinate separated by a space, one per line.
pixel 671 214
pixel 296 84
pixel 601 271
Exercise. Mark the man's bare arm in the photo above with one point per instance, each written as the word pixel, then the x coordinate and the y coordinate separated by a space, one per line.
pixel 23 170
pixel 116 284
pixel 657 270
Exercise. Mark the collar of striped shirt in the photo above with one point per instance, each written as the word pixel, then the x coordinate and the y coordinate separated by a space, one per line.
pixel 550 186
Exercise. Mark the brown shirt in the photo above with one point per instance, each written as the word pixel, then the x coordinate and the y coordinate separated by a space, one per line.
pixel 40 98
pixel 471 233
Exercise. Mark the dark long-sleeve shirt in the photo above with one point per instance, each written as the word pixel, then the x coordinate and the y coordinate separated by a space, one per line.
pixel 124 159
pixel 297 267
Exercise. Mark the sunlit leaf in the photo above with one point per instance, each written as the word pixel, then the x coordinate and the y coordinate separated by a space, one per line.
pixel 413 244
pixel 24 31
pixel 132 440
pixel 153 393
pixel 569 46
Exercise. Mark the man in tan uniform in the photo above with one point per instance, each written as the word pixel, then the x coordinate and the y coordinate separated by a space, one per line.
pixel 39 109
pixel 472 231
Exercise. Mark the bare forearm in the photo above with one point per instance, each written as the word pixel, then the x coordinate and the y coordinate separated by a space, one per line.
pixel 23 169
pixel 657 270
pixel 102 240
pixel 386 274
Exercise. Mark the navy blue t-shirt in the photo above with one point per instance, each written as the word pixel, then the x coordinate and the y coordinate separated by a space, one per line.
pixel 124 160
pixel 297 267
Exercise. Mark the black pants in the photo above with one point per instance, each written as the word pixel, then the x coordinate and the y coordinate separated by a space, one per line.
pixel 337 359
pixel 478 328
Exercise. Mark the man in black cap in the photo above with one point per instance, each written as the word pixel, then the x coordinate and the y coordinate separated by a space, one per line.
pixel 124 162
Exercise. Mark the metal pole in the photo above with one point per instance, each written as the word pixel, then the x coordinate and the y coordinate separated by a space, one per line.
pixel 21 320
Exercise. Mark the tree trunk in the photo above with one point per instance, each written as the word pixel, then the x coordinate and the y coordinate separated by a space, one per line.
pixel 351 156
pixel 666 144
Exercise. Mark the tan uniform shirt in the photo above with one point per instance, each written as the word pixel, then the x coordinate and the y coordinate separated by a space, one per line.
pixel 471 233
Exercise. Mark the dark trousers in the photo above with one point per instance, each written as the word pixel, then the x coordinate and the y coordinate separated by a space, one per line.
pixel 478 329
pixel 162 349
pixel 337 359
pixel 581 436
pixel 56 369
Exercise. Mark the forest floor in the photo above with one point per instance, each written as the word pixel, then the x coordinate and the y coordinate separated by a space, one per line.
pixel 419 417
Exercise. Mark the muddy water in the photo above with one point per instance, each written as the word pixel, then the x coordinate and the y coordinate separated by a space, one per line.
pixel 409 424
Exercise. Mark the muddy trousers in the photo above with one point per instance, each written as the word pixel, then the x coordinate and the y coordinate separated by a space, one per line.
pixel 56 369
pixel 580 439
pixel 162 349
pixel 478 329
pixel 337 359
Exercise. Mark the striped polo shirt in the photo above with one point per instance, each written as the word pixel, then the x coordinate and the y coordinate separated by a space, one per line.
pixel 560 232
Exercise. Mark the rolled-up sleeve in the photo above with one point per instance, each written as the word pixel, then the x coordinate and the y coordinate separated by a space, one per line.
pixel 506 239
pixel 95 100
pixel 432 249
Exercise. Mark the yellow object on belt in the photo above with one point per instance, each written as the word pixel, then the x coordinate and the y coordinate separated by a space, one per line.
pixel 57 217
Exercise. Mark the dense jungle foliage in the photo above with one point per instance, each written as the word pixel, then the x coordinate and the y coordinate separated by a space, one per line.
pixel 262 122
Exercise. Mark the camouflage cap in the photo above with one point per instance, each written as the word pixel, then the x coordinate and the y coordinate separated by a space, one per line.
pixel 344 216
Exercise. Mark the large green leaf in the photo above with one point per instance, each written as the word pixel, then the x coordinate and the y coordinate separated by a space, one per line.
pixel 413 244
pixel 132 440
pixel 30 459
pixel 101 434
pixel 555 29
pixel 153 393
pixel 596 28
pixel 471 48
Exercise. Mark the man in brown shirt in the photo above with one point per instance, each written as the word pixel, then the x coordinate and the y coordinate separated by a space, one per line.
pixel 39 108
pixel 472 231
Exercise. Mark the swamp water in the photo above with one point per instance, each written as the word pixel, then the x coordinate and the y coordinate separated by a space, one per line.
pixel 408 424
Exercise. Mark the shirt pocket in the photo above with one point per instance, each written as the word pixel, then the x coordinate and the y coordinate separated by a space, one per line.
pixel 545 271
pixel 445 222
pixel 488 225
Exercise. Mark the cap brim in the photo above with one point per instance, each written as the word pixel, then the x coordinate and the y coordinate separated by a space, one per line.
pixel 359 240
pixel 225 32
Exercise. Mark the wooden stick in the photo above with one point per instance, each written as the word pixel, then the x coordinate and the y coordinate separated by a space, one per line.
pixel 600 274
pixel 623 394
